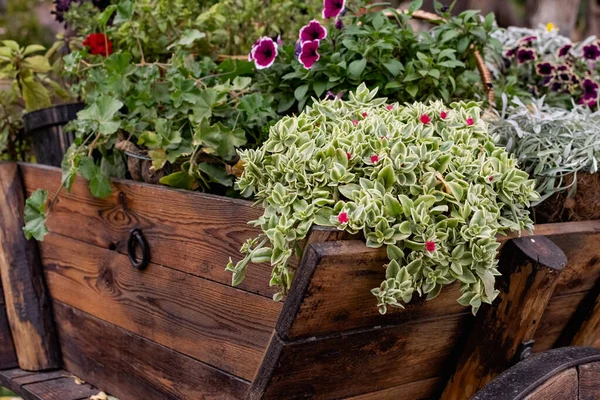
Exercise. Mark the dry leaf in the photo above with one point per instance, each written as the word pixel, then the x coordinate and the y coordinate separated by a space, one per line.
pixel 78 381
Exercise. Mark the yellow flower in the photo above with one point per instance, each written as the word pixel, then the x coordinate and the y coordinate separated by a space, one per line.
pixel 550 26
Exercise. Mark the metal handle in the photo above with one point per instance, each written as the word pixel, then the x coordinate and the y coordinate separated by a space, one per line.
pixel 137 238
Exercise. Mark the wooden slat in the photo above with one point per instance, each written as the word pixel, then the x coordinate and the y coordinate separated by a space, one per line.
pixel 188 231
pixel 583 254
pixel 562 386
pixel 39 377
pixel 530 268
pixel 424 389
pixel 8 376
pixel 214 323
pixel 331 292
pixel 349 364
pixel 557 315
pixel 27 305
pixel 58 389
pixel 589 381
pixel 131 367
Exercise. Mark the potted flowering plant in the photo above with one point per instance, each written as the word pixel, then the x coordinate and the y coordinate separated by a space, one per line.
pixel 426 181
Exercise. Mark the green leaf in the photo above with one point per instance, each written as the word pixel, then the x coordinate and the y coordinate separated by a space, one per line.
pixel 414 6
pixel 103 17
pixel 412 90
pixel 216 173
pixel 188 37
pixel 124 12
pixel 300 92
pixel 33 48
pixel 11 44
pixel 35 215
pixel 98 177
pixel 463 44
pixel 34 95
pixel 356 68
pixel 394 66
pixel 180 180
pixel 103 111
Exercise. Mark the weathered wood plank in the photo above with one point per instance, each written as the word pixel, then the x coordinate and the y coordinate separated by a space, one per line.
pixel 131 367
pixel 8 357
pixel 562 386
pixel 331 292
pixel 188 231
pixel 583 254
pixel 557 315
pixel 27 305
pixel 58 389
pixel 340 366
pixel 530 268
pixel 424 389
pixel 8 376
pixel 589 381
pixel 214 323
pixel 39 377
pixel 589 327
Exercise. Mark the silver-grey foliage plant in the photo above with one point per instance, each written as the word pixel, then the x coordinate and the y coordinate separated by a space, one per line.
pixel 550 143
pixel 424 180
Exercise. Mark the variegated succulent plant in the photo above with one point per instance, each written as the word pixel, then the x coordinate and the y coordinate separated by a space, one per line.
pixel 424 180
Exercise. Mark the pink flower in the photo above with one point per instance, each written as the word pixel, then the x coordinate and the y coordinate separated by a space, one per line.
pixel 389 107
pixel 374 158
pixel 355 121
pixel 263 53
pixel 365 115
pixel 348 155
pixel 333 8
pixel 309 54
pixel 430 246
pixel 343 218
pixel 469 121
pixel 443 115
pixel 425 119
pixel 491 178
pixel 313 31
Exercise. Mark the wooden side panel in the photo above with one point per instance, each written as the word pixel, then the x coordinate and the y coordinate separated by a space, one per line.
pixel 331 292
pixel 562 386
pixel 349 364
pixel 190 232
pixel 131 367
pixel 556 317
pixel 27 304
pixel 424 389
pixel 589 381
pixel 583 269
pixel 214 323
pixel 8 357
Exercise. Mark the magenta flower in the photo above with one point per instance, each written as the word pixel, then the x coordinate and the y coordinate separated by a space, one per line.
pixel 343 218
pixel 589 100
pixel 430 246
pixel 591 52
pixel 339 24
pixel 470 121
pixel 563 51
pixel 590 88
pixel 312 31
pixel 365 115
pixel 389 107
pixel 524 55
pixel 279 41
pixel 425 119
pixel 443 115
pixel 309 54
pixel 333 8
pixel 544 69
pixel 527 39
pixel 263 53
pixel 348 155
pixel 355 121
pixel 332 96
pixel 510 53
pixel 374 158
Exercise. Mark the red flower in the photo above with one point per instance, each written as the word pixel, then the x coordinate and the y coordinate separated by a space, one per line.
pixel 365 115
pixel 430 246
pixel 469 121
pixel 343 218
pixel 98 44
pixel 355 122
pixel 491 178
pixel 443 115
pixel 348 155
pixel 425 119
pixel 389 107
pixel 374 158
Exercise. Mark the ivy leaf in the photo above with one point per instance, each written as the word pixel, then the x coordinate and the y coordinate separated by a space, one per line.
pixel 216 174
pixel 35 215
pixel 103 111
pixel 98 177
pixel 230 139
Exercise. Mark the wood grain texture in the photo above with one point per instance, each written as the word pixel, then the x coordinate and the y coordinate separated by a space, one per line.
pixel 331 292
pixel 8 376
pixel 558 313
pixel 424 389
pixel 131 367
pixel 214 323
pixel 58 389
pixel 530 268
pixel 27 304
pixel 562 386
pixel 347 364
pixel 8 357
pixel 188 231
pixel 589 381
pixel 583 268
pixel 589 326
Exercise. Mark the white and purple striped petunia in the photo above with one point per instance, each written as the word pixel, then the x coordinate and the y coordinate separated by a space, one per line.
pixel 333 8
pixel 263 53
pixel 313 31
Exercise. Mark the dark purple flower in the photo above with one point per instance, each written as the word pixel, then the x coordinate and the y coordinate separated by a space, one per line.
pixel 339 24
pixel 544 69
pixel 333 8
pixel 524 55
pixel 546 81
pixel 556 86
pixel 527 39
pixel 298 49
pixel 589 88
pixel 564 76
pixel 61 7
pixel 574 79
pixel 309 54
pixel 313 31
pixel 510 53
pixel 591 52
pixel 589 100
pixel 263 53
pixel 563 51
pixel 562 68
pixel 331 96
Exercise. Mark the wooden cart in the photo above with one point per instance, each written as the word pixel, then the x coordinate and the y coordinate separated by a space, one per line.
pixel 177 329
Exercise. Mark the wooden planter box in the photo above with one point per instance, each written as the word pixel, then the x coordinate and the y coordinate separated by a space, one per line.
pixel 178 330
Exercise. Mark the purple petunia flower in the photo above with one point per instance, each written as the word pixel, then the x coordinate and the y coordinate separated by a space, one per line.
pixel 298 49
pixel 562 68
pixel 563 51
pixel 556 86
pixel 544 69
pixel 313 31
pixel 279 41
pixel 589 88
pixel 589 100
pixel 331 96
pixel 527 39
pixel 564 76
pixel 546 81
pixel 524 55
pixel 591 52
pixel 309 54
pixel 339 24
pixel 263 53
pixel 510 53
pixel 333 8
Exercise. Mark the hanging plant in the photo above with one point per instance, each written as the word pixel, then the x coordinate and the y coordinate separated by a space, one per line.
pixel 426 181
